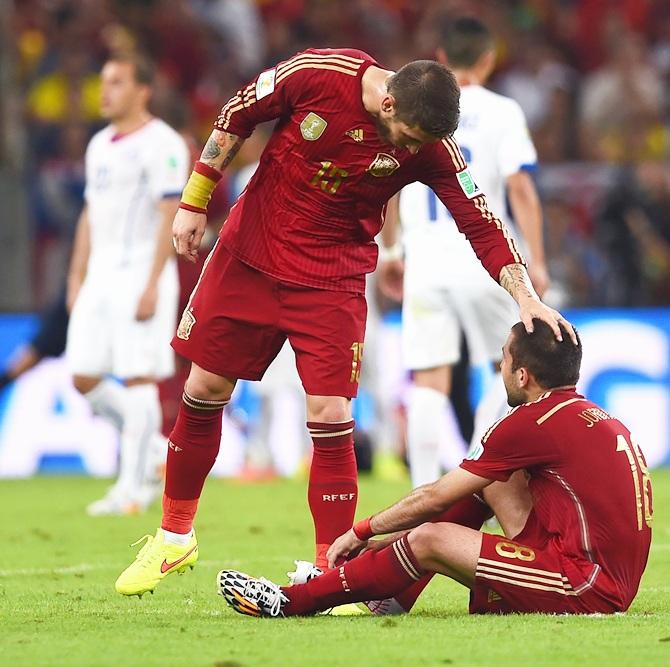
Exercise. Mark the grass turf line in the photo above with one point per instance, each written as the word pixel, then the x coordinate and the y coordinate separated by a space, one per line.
pixel 58 605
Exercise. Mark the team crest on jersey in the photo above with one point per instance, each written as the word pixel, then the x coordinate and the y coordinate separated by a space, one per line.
pixel 356 135
pixel 186 324
pixel 383 165
pixel 312 126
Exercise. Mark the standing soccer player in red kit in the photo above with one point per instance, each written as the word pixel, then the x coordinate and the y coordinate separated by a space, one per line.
pixel 566 480
pixel 291 263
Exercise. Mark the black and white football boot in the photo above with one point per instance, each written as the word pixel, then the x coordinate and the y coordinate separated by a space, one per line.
pixel 250 596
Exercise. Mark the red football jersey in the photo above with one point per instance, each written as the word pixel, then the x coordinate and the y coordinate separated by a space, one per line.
pixel 312 209
pixel 589 481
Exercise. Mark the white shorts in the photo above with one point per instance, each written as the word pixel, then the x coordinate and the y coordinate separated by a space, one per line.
pixel 103 335
pixel 437 307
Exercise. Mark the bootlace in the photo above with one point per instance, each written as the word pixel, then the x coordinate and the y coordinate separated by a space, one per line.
pixel 266 594
pixel 140 554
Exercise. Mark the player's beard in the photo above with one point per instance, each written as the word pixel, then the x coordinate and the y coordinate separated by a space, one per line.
pixel 515 395
pixel 383 130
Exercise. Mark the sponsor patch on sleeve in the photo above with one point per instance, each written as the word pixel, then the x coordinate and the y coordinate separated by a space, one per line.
pixel 265 83
pixel 468 185
pixel 475 452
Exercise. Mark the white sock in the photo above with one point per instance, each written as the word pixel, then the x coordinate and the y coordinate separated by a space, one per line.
pixel 107 399
pixel 492 407
pixel 426 409
pixel 151 446
pixel 452 446
pixel 182 539
pixel 136 418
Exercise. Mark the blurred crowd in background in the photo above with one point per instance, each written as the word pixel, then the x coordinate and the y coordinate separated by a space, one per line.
pixel 593 77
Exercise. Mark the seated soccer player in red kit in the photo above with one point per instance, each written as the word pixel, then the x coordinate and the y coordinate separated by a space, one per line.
pixel 291 261
pixel 566 480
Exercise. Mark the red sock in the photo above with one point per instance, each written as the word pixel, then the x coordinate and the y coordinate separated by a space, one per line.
pixel 193 446
pixel 375 575
pixel 470 512
pixel 333 487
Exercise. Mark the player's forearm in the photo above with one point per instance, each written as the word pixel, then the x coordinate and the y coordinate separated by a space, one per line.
pixel 218 153
pixel 164 248
pixel 411 511
pixel 527 212
pixel 514 278
pixel 220 149
pixel 389 234
pixel 425 503
pixel 80 251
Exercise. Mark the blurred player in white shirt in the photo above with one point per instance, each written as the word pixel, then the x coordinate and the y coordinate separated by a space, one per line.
pixel 123 285
pixel 444 287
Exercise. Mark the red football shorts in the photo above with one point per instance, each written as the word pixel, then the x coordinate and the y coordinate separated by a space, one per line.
pixel 513 577
pixel 238 318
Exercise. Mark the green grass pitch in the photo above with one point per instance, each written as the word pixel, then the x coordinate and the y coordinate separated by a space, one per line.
pixel 58 605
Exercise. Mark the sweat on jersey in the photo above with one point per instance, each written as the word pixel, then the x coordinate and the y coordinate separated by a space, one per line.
pixel 312 209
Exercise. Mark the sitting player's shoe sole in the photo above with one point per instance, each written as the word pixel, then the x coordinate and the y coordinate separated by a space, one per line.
pixel 250 596
pixel 155 561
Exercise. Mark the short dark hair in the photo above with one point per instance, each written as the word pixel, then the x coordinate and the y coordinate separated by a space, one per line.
pixel 144 69
pixel 553 363
pixel 465 40
pixel 427 96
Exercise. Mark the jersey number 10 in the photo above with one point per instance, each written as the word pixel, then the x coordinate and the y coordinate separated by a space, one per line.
pixel 329 177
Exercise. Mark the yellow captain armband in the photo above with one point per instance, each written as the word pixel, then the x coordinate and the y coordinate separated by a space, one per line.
pixel 198 190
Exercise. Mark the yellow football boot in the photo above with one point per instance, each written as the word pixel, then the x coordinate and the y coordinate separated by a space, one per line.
pixel 155 560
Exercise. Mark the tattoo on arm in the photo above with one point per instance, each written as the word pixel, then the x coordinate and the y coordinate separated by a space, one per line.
pixel 211 150
pixel 220 149
pixel 514 278
pixel 232 152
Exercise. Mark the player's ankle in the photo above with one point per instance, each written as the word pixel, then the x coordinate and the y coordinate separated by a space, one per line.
pixel 181 539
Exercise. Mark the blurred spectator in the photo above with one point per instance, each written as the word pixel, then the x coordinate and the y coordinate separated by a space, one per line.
pixel 56 200
pixel 575 264
pixel 622 105
pixel 633 229
pixel 544 85
pixel 237 23
pixel 71 92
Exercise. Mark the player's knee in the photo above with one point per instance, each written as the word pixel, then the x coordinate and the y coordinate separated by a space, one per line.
pixel 328 409
pixel 427 540
pixel 208 386
pixel 437 379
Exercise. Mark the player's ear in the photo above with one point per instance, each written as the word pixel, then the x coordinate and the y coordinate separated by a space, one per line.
pixel 523 376
pixel 388 104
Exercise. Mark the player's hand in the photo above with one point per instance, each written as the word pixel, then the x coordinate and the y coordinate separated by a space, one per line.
pixel 146 306
pixel 390 274
pixel 531 307
pixel 343 546
pixel 539 276
pixel 188 229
